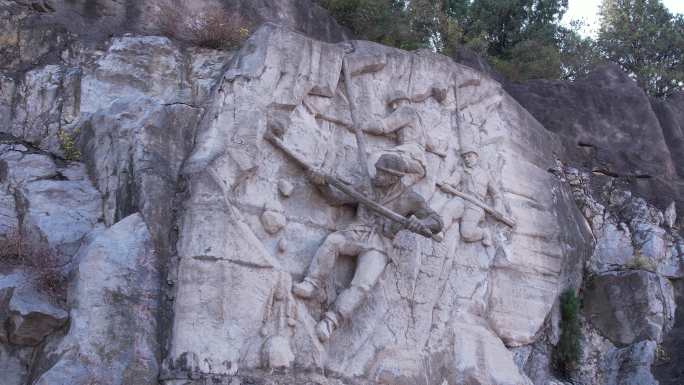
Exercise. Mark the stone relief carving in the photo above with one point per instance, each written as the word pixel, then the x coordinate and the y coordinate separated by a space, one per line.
pixel 368 237
pixel 280 316
pixel 470 187
pixel 403 123
pixel 367 294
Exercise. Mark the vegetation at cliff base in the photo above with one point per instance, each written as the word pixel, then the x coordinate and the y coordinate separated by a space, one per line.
pixel 566 353
pixel 524 39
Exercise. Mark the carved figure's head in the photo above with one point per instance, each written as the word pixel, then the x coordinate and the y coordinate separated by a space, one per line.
pixel 397 99
pixel 470 158
pixel 388 170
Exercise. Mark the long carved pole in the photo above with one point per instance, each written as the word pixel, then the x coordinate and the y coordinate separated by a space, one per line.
pixel 510 222
pixel 360 139
pixel 360 198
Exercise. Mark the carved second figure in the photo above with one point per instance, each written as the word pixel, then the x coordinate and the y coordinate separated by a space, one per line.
pixel 368 237
pixel 476 182
pixel 403 121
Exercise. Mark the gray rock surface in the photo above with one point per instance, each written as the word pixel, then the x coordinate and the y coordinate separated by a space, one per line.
pixel 30 21
pixel 229 262
pixel 31 317
pixel 667 368
pixel 629 307
pixel 114 305
pixel 27 316
pixel 632 365
pixel 231 235
pixel 15 364
pixel 602 120
pixel 57 204
pixel 670 113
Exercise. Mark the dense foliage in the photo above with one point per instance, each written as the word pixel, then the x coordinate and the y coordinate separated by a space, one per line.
pixel 645 39
pixel 524 40
pixel 566 353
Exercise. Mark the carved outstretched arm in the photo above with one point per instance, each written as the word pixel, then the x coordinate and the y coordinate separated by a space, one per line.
pixel 335 197
pixel 398 119
pixel 427 216
pixel 453 181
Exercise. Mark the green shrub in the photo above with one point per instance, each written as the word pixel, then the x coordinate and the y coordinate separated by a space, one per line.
pixel 641 262
pixel 68 145
pixel 566 353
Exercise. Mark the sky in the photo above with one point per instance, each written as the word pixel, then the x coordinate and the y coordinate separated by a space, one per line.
pixel 588 9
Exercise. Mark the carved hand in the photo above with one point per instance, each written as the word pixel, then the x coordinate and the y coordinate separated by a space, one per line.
pixel 316 176
pixel 444 186
pixel 416 226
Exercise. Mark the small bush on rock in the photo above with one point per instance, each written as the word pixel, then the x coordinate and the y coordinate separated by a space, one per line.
pixel 68 145
pixel 39 261
pixel 566 353
pixel 212 27
pixel 641 262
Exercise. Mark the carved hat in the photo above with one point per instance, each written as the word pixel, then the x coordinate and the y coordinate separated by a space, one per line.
pixel 396 96
pixel 393 164
pixel 468 149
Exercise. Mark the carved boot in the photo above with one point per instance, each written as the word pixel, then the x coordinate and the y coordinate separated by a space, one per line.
pixel 306 289
pixel 326 326
pixel 487 239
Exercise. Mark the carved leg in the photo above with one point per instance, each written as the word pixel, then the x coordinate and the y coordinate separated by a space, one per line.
pixel 324 262
pixel 470 229
pixel 369 267
pixel 453 210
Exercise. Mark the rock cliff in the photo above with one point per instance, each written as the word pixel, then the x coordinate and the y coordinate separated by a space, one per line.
pixel 152 233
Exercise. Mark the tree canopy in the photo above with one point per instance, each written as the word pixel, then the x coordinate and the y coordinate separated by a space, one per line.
pixel 524 39
pixel 645 39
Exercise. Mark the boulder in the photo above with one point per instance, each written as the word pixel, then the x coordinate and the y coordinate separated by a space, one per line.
pixel 32 317
pixel 38 28
pixel 112 336
pixel 15 363
pixel 27 316
pixel 230 266
pixel 608 136
pixel 631 365
pixel 630 306
pixel 57 202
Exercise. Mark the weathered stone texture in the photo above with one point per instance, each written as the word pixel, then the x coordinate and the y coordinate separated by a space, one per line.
pixel 609 125
pixel 230 256
pixel 630 307
pixel 114 304
pixel 178 185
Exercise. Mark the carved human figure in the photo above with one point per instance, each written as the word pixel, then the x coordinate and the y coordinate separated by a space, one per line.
pixel 403 121
pixel 477 182
pixel 278 325
pixel 368 237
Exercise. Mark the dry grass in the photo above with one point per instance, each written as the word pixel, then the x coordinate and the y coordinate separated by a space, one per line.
pixel 212 27
pixel 38 260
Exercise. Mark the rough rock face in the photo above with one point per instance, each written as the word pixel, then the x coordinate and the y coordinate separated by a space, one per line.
pixel 650 301
pixel 49 24
pixel 141 165
pixel 668 369
pixel 609 126
pixel 458 301
pixel 27 316
pixel 630 304
pixel 114 306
